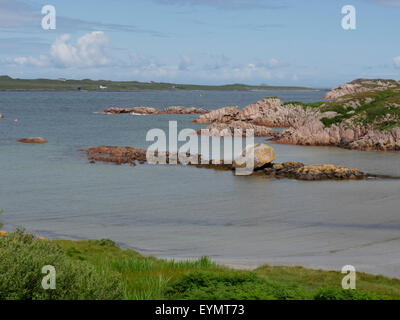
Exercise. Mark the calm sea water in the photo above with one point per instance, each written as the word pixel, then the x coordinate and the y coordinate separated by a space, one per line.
pixel 184 212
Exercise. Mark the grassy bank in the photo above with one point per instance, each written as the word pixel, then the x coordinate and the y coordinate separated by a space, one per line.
pixel 98 269
pixel 380 108
pixel 151 278
pixel 8 83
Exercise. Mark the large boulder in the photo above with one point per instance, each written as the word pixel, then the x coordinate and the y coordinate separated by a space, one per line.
pixel 263 154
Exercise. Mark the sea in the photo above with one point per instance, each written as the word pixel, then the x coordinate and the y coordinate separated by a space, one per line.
pixel 183 212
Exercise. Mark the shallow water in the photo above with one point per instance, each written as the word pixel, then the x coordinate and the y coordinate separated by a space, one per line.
pixel 181 212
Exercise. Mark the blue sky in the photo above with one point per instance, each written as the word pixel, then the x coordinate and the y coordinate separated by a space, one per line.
pixel 272 42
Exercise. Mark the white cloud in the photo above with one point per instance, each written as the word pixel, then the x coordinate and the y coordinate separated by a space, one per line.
pixel 89 51
pixel 92 51
pixel 42 61
pixel 204 67
pixel 396 61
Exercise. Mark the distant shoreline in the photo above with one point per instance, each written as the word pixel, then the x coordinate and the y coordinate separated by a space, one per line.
pixel 151 90
pixel 9 84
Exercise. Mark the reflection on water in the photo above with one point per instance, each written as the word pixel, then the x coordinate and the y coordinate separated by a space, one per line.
pixel 179 211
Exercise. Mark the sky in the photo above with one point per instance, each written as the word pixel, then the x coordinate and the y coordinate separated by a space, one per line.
pixel 286 42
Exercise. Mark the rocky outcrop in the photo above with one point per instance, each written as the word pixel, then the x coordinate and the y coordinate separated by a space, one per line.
pixel 237 129
pixel 344 89
pixel 117 155
pixel 183 110
pixel 259 116
pixel 222 115
pixel 269 112
pixel 297 170
pixel 32 140
pixel 378 140
pixel 310 131
pixel 128 155
pixel 263 154
pixel 149 110
pixel 359 86
pixel 354 120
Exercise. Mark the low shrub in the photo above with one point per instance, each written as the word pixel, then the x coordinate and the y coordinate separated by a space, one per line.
pixel 332 293
pixel 22 258
pixel 229 286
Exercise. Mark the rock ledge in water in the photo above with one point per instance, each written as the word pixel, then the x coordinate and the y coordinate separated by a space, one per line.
pixel 294 170
pixel 298 170
pixel 32 140
pixel 149 110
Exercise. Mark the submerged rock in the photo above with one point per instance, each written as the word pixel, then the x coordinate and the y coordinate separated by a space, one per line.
pixel 117 155
pixel 149 110
pixel 183 110
pixel 32 140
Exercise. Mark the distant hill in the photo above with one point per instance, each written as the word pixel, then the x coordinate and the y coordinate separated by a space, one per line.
pixel 9 84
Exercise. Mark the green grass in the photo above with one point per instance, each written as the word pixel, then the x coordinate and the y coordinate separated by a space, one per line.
pixel 99 269
pixel 374 107
pixel 365 108
pixel 152 278
pixel 7 83
pixel 143 277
